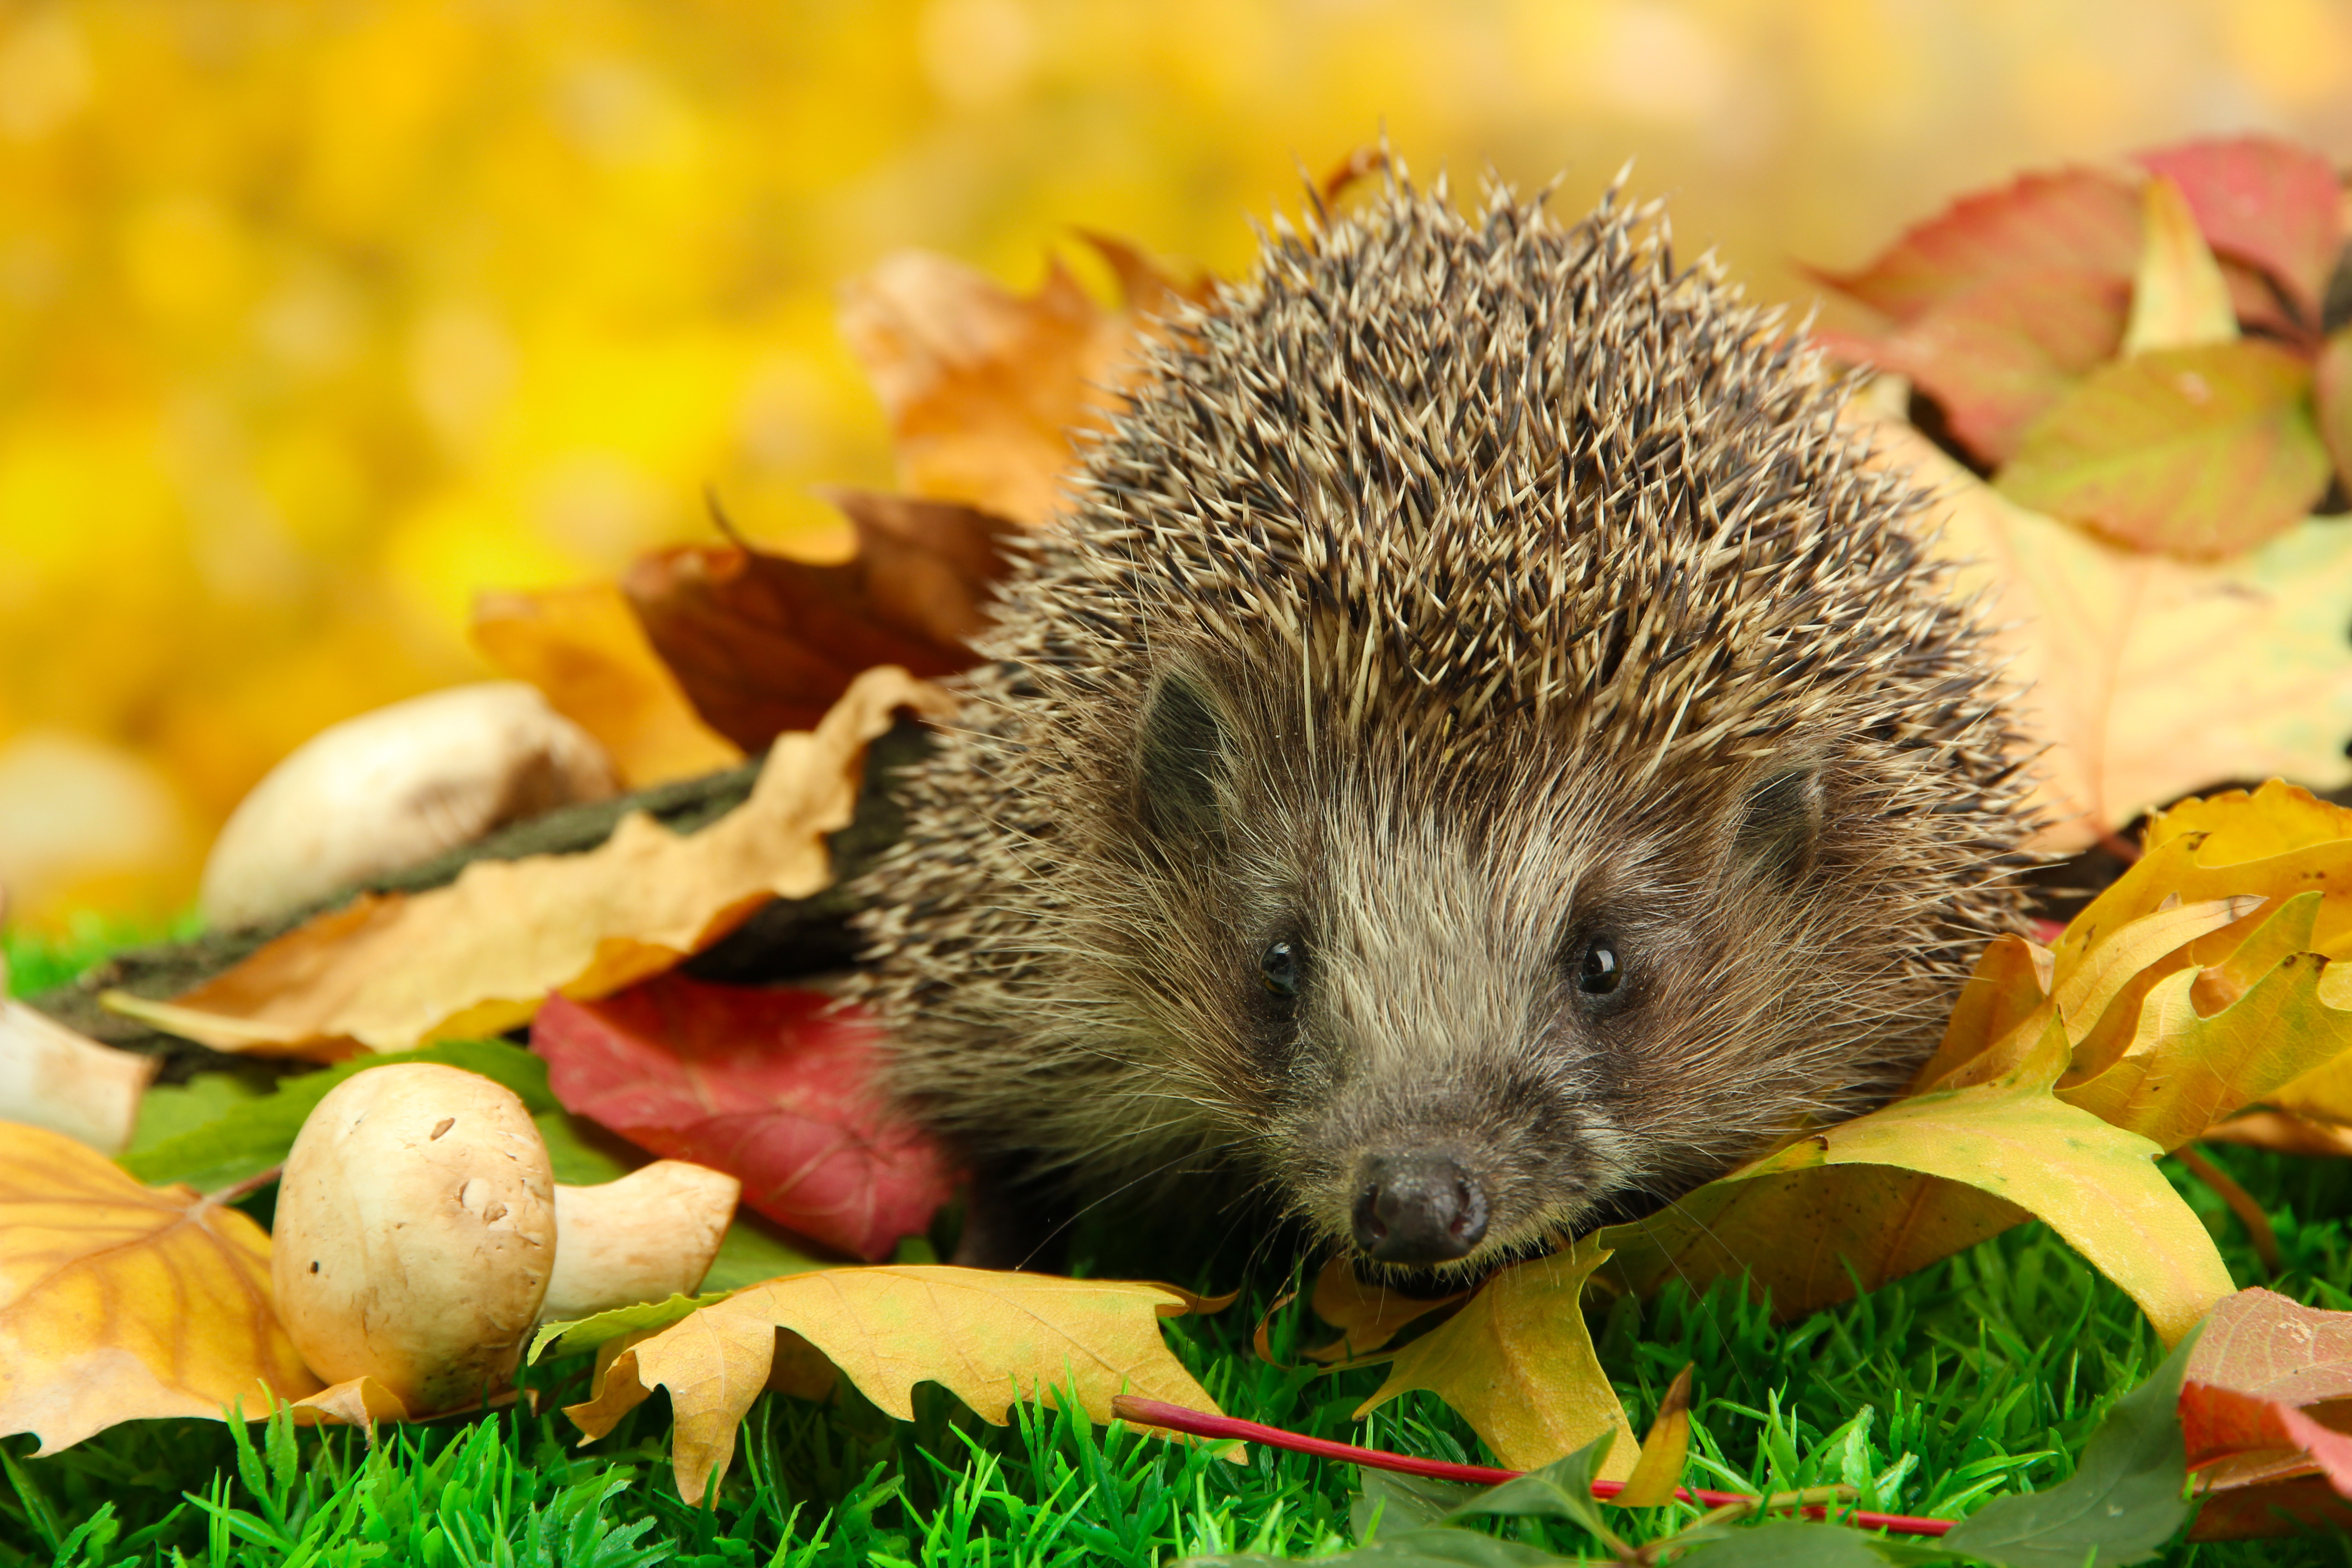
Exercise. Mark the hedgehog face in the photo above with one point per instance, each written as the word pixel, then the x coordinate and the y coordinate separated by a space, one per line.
pixel 1452 1021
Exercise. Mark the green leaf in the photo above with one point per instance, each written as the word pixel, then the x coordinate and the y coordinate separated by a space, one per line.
pixel 2123 1499
pixel 582 1335
pixel 253 1134
pixel 1396 1502
pixel 1797 1543
pixel 2203 451
pixel 169 1110
pixel 752 1251
pixel 1561 1490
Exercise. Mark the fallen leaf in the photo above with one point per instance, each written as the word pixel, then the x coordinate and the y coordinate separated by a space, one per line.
pixel 773 1086
pixel 2120 1506
pixel 2144 678
pixel 2267 1378
pixel 1999 354
pixel 1367 1315
pixel 2179 299
pixel 985 389
pixel 478 957
pixel 584 651
pixel 53 1076
pixel 582 1335
pixel 763 644
pixel 2073 219
pixel 1518 1364
pixel 2207 451
pixel 120 1302
pixel 988 1338
pixel 2267 201
pixel 1665 1450
pixel 2284 1133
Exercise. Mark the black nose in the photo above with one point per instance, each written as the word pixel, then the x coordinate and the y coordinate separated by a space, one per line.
pixel 1417 1209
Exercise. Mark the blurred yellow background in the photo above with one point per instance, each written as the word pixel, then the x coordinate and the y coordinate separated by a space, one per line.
pixel 316 316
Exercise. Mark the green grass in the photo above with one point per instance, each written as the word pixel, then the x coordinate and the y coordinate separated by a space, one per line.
pixel 1980 1376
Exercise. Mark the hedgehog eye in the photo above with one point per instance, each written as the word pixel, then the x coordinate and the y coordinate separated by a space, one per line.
pixel 1601 970
pixel 1278 967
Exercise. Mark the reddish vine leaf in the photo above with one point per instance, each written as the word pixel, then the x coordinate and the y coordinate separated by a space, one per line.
pixel 2267 1391
pixel 2070 220
pixel 1997 355
pixel 2265 201
pixel 763 643
pixel 774 1088
pixel 2199 451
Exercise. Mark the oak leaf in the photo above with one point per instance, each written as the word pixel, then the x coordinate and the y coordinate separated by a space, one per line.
pixel 585 652
pixel 988 1338
pixel 120 1302
pixel 2203 450
pixel 2145 678
pixel 762 643
pixel 480 956
pixel 985 389
pixel 1367 1315
pixel 1518 1364
pixel 773 1086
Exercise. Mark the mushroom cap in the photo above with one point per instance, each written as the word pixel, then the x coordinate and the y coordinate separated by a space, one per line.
pixel 416 1234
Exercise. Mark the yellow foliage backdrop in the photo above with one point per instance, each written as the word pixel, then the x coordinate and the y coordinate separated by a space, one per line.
pixel 317 317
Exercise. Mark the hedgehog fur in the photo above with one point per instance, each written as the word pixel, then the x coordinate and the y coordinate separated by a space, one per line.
pixel 1481 749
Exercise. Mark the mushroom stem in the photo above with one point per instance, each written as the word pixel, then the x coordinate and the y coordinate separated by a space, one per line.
pixel 645 1238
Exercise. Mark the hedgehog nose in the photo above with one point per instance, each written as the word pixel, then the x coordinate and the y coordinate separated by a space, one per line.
pixel 1417 1209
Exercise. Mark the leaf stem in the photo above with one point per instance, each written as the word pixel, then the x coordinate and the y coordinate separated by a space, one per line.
pixel 1145 1412
pixel 251 1184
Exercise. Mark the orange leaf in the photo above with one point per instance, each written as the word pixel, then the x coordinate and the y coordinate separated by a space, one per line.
pixel 763 644
pixel 120 1302
pixel 985 389
pixel 477 957
pixel 1367 1315
pixel 585 652
pixel 988 1338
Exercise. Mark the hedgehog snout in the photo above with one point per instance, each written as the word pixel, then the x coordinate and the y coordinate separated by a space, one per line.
pixel 1417 1209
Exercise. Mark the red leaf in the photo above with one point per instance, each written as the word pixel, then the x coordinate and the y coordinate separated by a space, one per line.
pixel 774 1088
pixel 2073 219
pixel 2253 1445
pixel 1999 354
pixel 763 643
pixel 2266 202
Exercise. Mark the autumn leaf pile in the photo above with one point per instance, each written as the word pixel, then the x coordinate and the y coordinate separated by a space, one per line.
pixel 2128 392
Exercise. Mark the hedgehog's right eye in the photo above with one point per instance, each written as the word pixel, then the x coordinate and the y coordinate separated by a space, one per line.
pixel 1601 970
pixel 1280 967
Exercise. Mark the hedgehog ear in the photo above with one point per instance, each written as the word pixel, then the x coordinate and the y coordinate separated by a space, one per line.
pixel 1181 758
pixel 1781 825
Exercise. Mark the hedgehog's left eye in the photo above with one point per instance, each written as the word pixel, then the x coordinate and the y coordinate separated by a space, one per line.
pixel 1281 966
pixel 1599 971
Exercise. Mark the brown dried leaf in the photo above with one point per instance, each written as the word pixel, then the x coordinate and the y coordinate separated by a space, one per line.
pixel 477 957
pixel 585 652
pixel 985 389
pixel 1367 1315
pixel 120 1302
pixel 1664 1451
pixel 763 644
pixel 988 1338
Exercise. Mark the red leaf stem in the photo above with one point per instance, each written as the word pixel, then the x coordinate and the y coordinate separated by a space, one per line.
pixel 1202 1424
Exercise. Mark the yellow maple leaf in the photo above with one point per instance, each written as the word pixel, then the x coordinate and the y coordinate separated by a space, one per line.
pixel 120 1302
pixel 477 957
pixel 988 1338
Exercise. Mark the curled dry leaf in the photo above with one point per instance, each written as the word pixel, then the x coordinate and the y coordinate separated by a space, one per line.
pixel 1367 1315
pixel 2180 298
pixel 1518 1364
pixel 988 1338
pixel 776 1088
pixel 983 388
pixel 478 957
pixel 762 643
pixel 120 1302
pixel 1664 1451
pixel 395 786
pixel 2145 678
pixel 53 1076
pixel 584 651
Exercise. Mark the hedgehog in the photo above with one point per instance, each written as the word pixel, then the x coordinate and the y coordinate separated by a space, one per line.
pixel 1482 750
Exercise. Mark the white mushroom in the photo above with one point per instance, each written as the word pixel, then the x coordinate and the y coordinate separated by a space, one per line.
pixel 645 1238
pixel 395 786
pixel 416 1234
pixel 420 1234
